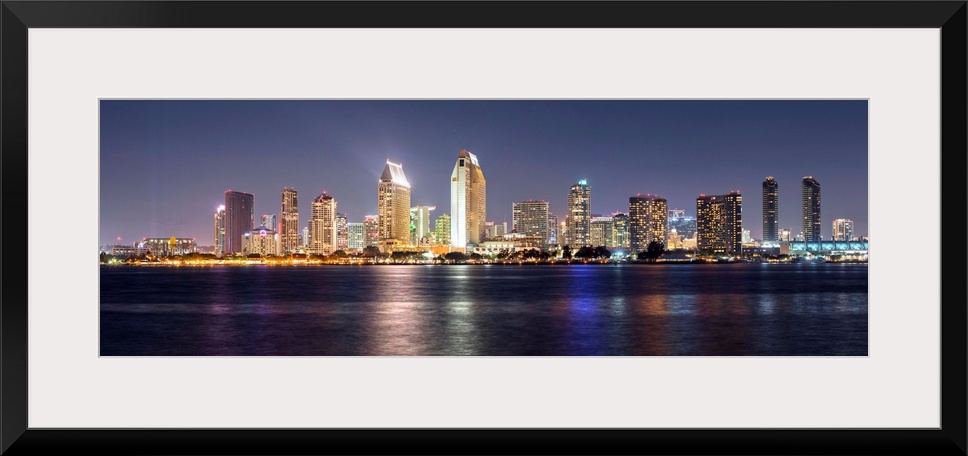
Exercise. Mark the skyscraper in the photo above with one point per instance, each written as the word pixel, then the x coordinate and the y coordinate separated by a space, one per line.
pixel 322 225
pixel 620 231
pixel 843 230
pixel 552 229
pixel 771 210
pixel 420 219
pixel 289 220
pixel 719 224
pixel 268 221
pixel 578 218
pixel 810 201
pixel 442 229
pixel 468 201
pixel 239 218
pixel 371 231
pixel 530 218
pixel 220 231
pixel 648 221
pixel 601 231
pixel 342 235
pixel 393 205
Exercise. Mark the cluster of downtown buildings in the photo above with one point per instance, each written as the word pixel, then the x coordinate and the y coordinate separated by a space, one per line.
pixel 717 227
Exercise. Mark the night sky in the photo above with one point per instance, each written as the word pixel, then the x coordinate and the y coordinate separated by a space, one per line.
pixel 165 165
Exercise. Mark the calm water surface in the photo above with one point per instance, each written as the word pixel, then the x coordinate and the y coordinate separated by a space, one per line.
pixel 495 310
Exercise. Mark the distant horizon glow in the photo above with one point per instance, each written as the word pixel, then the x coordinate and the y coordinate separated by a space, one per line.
pixel 164 164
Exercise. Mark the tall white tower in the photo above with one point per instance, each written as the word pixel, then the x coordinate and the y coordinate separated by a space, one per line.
pixel 468 201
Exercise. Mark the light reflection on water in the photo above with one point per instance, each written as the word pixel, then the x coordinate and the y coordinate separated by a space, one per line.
pixel 498 310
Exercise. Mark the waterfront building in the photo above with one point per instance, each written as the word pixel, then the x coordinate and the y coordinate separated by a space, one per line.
pixel 356 233
pixel 125 251
pixel 468 201
pixel 620 231
pixel 600 231
pixel 720 223
pixel 169 246
pixel 530 218
pixel 289 221
pixel 371 231
pixel 578 217
pixel 420 221
pixel 843 230
pixel 239 219
pixel 552 229
pixel 305 237
pixel 322 225
pixel 771 210
pixel 648 221
pixel 810 208
pixel 342 233
pixel 442 230
pixel 393 205
pixel 220 231
pixel 260 241
pixel 675 240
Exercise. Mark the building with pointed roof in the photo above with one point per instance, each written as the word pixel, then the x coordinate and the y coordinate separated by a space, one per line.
pixel 468 201
pixel 393 205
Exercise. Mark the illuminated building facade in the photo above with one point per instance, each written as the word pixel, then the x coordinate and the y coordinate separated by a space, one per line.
pixel 843 230
pixel 720 223
pixel 268 221
pixel 220 231
pixel 260 241
pixel 771 210
pixel 530 218
pixel 420 221
pixel 620 231
pixel 683 224
pixel 468 201
pixel 356 232
pixel 496 230
pixel 442 230
pixel 342 232
pixel 169 246
pixel 552 229
pixel 289 221
pixel 600 231
pixel 786 235
pixel 239 219
pixel 322 225
pixel 393 205
pixel 578 219
pixel 648 221
pixel 371 231
pixel 810 208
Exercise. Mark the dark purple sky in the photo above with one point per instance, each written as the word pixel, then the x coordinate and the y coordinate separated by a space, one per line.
pixel 165 165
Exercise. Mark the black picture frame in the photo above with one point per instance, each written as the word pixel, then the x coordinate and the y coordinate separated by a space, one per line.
pixel 17 16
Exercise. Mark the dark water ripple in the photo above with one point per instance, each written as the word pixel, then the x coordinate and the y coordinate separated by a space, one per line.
pixel 739 309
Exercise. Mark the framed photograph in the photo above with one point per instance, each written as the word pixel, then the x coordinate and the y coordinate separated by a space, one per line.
pixel 408 227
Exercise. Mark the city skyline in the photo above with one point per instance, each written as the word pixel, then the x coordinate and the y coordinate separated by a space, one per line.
pixel 170 200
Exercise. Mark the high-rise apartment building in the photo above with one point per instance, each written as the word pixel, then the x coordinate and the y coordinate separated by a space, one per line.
pixel 356 235
pixel 322 225
pixel 578 217
pixel 220 231
pixel 648 221
pixel 468 201
pixel 620 231
pixel 239 218
pixel 420 221
pixel 393 205
pixel 786 235
pixel 530 218
pixel 442 229
pixel 268 221
pixel 289 221
pixel 843 230
pixel 371 231
pixel 600 231
pixel 719 223
pixel 342 233
pixel 305 237
pixel 810 205
pixel 771 210
pixel 552 229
